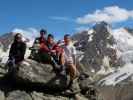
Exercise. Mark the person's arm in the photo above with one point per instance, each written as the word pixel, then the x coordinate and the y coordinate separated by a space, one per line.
pixel 23 50
pixel 62 58
pixel 11 51
pixel 74 55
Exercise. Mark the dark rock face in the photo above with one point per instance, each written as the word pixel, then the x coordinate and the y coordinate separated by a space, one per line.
pixel 6 40
pixel 96 46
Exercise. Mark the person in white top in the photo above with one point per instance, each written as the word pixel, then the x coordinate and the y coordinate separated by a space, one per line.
pixel 70 56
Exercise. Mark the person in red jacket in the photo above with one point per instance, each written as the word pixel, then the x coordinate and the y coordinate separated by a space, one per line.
pixel 52 53
pixel 42 37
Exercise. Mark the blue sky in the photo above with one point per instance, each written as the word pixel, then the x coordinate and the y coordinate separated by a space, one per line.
pixel 57 16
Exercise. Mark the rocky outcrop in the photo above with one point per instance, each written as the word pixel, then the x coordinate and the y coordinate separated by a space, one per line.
pixel 34 72
pixel 31 80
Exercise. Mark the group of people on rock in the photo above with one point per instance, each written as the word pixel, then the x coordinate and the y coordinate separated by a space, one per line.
pixel 46 50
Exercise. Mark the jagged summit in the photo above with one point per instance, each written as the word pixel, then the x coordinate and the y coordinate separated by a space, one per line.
pixel 102 25
pixel 96 46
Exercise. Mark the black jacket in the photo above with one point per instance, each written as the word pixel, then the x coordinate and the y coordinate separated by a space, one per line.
pixel 17 51
pixel 40 40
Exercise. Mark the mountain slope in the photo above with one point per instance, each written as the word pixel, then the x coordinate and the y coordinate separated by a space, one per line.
pixel 97 44
pixel 124 46
pixel 107 51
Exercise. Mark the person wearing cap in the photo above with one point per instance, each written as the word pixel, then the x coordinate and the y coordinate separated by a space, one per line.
pixel 42 37
pixel 35 49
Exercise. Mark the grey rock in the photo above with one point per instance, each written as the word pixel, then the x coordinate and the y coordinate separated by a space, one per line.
pixel 2 96
pixel 118 92
pixel 41 96
pixel 18 95
pixel 75 86
pixel 85 83
pixel 34 72
pixel 80 97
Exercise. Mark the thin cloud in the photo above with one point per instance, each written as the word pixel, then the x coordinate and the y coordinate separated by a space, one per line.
pixel 81 28
pixel 59 18
pixel 111 14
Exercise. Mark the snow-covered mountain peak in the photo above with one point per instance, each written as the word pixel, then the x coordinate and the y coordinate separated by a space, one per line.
pixel 28 34
pixel 124 47
pixel 102 25
pixel 123 35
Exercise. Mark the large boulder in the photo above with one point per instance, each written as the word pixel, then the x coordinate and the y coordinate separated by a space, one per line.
pixel 43 74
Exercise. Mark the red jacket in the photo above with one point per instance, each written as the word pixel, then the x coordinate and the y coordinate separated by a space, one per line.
pixel 58 50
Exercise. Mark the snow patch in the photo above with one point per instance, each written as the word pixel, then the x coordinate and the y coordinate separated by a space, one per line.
pixel 90 31
pixel 90 38
pixel 105 68
pixel 118 76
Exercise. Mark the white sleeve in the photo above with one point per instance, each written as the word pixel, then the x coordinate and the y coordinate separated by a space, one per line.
pixel 74 50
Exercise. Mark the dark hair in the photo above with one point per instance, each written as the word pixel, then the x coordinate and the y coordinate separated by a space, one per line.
pixel 50 35
pixel 43 31
pixel 16 37
pixel 67 36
